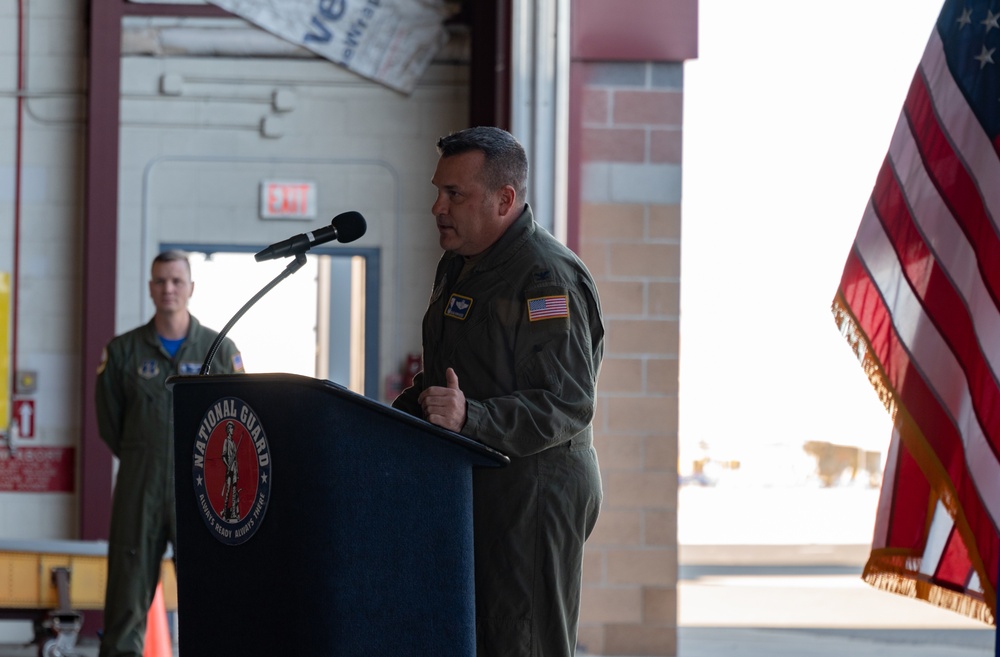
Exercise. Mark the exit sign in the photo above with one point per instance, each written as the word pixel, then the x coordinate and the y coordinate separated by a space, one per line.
pixel 284 199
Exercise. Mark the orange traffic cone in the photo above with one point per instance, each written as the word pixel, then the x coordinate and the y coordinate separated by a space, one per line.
pixel 157 632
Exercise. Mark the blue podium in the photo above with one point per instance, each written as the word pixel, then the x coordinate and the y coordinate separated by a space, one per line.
pixel 314 521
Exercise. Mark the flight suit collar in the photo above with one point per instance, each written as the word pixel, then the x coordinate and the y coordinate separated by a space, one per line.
pixel 153 339
pixel 504 248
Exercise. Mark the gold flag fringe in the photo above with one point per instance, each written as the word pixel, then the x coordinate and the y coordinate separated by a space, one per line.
pixel 887 570
pixel 858 341
pixel 895 569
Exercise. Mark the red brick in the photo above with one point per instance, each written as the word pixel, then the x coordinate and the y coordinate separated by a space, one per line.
pixel 640 640
pixel 662 376
pixel 633 107
pixel 659 605
pixel 593 564
pixel 665 146
pixel 646 260
pixel 595 256
pixel 620 375
pixel 622 297
pixel 616 527
pixel 613 145
pixel 617 605
pixel 665 299
pixel 665 221
pixel 652 337
pixel 625 452
pixel 602 222
pixel 590 637
pixel 661 453
pixel 652 566
pixel 595 105
pixel 641 490
pixel 660 527
pixel 646 415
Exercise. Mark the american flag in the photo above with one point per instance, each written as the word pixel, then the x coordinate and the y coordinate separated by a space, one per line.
pixel 919 302
pixel 548 307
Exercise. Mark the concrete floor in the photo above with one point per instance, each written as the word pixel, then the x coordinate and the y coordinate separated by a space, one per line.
pixel 785 584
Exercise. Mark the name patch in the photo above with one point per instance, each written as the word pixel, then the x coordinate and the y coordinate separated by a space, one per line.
pixel 458 307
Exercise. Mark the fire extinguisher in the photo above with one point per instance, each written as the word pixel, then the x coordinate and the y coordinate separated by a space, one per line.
pixel 414 363
pixel 399 381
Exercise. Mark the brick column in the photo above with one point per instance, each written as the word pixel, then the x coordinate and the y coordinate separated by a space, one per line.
pixel 630 147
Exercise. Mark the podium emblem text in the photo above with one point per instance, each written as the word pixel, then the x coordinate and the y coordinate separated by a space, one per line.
pixel 231 464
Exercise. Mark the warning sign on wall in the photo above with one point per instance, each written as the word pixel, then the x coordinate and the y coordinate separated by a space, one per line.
pixel 24 415
pixel 37 469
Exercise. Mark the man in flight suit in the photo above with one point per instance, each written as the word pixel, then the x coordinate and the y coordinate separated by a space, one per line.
pixel 512 345
pixel 135 418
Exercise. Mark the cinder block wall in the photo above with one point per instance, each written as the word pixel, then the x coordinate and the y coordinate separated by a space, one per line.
pixel 630 239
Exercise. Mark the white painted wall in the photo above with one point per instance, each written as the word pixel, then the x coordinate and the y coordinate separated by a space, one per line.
pixel 190 168
pixel 51 212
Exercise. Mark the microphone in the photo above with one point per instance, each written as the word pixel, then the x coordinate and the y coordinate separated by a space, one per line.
pixel 345 227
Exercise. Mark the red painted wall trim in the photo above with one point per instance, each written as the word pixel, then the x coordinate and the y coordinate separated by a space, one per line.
pixel 576 84
pixel 163 9
pixel 489 74
pixel 635 30
pixel 100 238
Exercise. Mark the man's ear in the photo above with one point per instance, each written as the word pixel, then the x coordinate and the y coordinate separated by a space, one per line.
pixel 508 197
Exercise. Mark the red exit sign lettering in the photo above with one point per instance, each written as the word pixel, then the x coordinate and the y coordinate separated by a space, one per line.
pixel 282 199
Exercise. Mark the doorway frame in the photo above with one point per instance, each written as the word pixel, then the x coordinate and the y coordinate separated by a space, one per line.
pixel 373 298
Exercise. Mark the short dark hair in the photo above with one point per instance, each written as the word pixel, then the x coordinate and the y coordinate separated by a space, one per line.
pixel 174 255
pixel 505 162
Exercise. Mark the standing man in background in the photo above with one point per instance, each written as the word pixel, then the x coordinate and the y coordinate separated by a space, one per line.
pixel 135 418
pixel 512 344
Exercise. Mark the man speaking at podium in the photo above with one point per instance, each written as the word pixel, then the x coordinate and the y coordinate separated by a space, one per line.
pixel 512 344
pixel 135 418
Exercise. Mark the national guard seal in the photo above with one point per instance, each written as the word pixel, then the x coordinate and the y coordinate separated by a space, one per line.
pixel 232 471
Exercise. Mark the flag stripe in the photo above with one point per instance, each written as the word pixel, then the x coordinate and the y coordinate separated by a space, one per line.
pixel 908 529
pixel 953 567
pixel 943 439
pixel 937 540
pixel 970 96
pixel 919 302
pixel 951 248
pixel 883 518
pixel 953 182
pixel 948 316
pixel 929 354
pixel 941 300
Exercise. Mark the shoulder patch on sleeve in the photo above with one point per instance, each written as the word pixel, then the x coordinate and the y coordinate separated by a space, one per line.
pixel 104 361
pixel 548 307
pixel 237 362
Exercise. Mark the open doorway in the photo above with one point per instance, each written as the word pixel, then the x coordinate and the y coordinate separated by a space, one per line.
pixel 320 321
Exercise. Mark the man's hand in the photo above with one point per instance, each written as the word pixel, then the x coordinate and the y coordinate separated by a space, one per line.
pixel 444 407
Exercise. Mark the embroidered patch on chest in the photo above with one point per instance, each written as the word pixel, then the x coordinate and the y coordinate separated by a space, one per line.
pixel 149 369
pixel 551 307
pixel 188 369
pixel 458 306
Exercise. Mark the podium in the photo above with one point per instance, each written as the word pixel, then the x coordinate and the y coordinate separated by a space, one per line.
pixel 314 521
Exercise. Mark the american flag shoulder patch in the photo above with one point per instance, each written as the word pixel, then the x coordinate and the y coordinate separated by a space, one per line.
pixel 551 307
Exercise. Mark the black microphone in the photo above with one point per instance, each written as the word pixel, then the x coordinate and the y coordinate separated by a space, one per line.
pixel 345 227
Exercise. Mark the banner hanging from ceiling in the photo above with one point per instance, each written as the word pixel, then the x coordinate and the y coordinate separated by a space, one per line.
pixel 389 41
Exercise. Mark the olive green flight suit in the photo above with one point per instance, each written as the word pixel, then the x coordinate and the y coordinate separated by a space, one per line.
pixel 135 418
pixel 523 330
